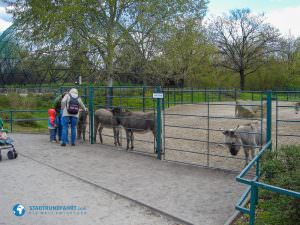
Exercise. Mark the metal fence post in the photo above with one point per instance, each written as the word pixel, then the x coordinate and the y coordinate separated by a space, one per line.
pixel 158 124
pixel 269 116
pixel 11 121
pixel 181 96
pixel 85 95
pixel 143 99
pixel 110 97
pixel 235 94
pixel 91 114
pixel 168 97
pixel 252 203
pixel 174 97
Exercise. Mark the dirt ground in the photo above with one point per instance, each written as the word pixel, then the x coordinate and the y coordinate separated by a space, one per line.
pixel 190 142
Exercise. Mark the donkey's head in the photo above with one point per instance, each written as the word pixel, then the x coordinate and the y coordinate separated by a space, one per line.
pixel 116 111
pixel 83 115
pixel 233 141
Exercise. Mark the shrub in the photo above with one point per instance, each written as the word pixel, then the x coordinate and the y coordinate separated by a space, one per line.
pixel 28 120
pixel 4 102
pixel 281 168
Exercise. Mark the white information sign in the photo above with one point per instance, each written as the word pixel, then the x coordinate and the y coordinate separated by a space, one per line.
pixel 158 95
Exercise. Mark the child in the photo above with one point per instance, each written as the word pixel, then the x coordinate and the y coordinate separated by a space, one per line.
pixel 52 124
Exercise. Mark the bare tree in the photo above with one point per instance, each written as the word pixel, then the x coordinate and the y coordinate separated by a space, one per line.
pixel 243 40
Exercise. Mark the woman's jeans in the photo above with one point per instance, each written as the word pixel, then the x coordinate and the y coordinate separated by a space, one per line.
pixel 66 121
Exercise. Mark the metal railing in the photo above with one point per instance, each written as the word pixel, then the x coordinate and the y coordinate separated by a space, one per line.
pixel 254 183
pixel 19 118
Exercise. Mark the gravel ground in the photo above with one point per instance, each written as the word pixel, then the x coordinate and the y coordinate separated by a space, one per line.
pixel 196 195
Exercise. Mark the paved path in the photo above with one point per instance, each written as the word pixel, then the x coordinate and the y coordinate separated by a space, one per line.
pixel 197 195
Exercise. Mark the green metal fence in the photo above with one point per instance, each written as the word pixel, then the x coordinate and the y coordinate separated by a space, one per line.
pixel 254 184
pixel 31 121
pixel 287 119
pixel 189 125
pixel 195 118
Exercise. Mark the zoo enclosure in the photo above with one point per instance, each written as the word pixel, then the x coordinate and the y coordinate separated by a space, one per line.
pixel 140 98
pixel 209 106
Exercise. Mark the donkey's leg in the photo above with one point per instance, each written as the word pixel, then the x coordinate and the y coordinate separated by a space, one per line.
pixel 127 138
pixel 155 141
pixel 83 131
pixel 246 150
pixel 118 136
pixel 132 138
pixel 252 152
pixel 100 133
pixel 115 136
pixel 78 131
pixel 96 124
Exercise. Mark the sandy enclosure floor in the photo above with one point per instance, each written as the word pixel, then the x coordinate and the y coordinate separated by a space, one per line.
pixel 186 137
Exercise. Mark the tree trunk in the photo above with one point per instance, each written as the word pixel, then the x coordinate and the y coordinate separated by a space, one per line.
pixel 109 70
pixel 242 79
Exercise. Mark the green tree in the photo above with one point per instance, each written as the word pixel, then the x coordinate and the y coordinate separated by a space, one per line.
pixel 244 41
pixel 102 25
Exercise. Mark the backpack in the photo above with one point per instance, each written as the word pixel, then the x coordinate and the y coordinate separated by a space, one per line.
pixel 73 105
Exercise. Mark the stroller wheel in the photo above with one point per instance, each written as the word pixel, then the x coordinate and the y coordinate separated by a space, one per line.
pixel 11 154
pixel 16 153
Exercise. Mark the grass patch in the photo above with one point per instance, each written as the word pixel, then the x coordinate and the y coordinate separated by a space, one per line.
pixel 280 168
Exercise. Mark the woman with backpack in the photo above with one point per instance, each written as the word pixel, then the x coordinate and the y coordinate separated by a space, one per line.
pixel 70 106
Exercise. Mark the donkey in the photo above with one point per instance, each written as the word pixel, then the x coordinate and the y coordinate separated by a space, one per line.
pixel 249 136
pixel 105 118
pixel 135 122
pixel 243 111
pixel 81 126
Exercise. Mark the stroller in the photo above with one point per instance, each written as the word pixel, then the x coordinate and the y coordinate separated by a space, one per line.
pixel 6 143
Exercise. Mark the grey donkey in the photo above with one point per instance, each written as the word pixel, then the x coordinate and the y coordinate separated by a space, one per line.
pixel 135 122
pixel 81 125
pixel 248 136
pixel 105 118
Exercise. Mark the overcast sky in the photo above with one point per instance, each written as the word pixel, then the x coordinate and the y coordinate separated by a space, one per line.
pixel 283 14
